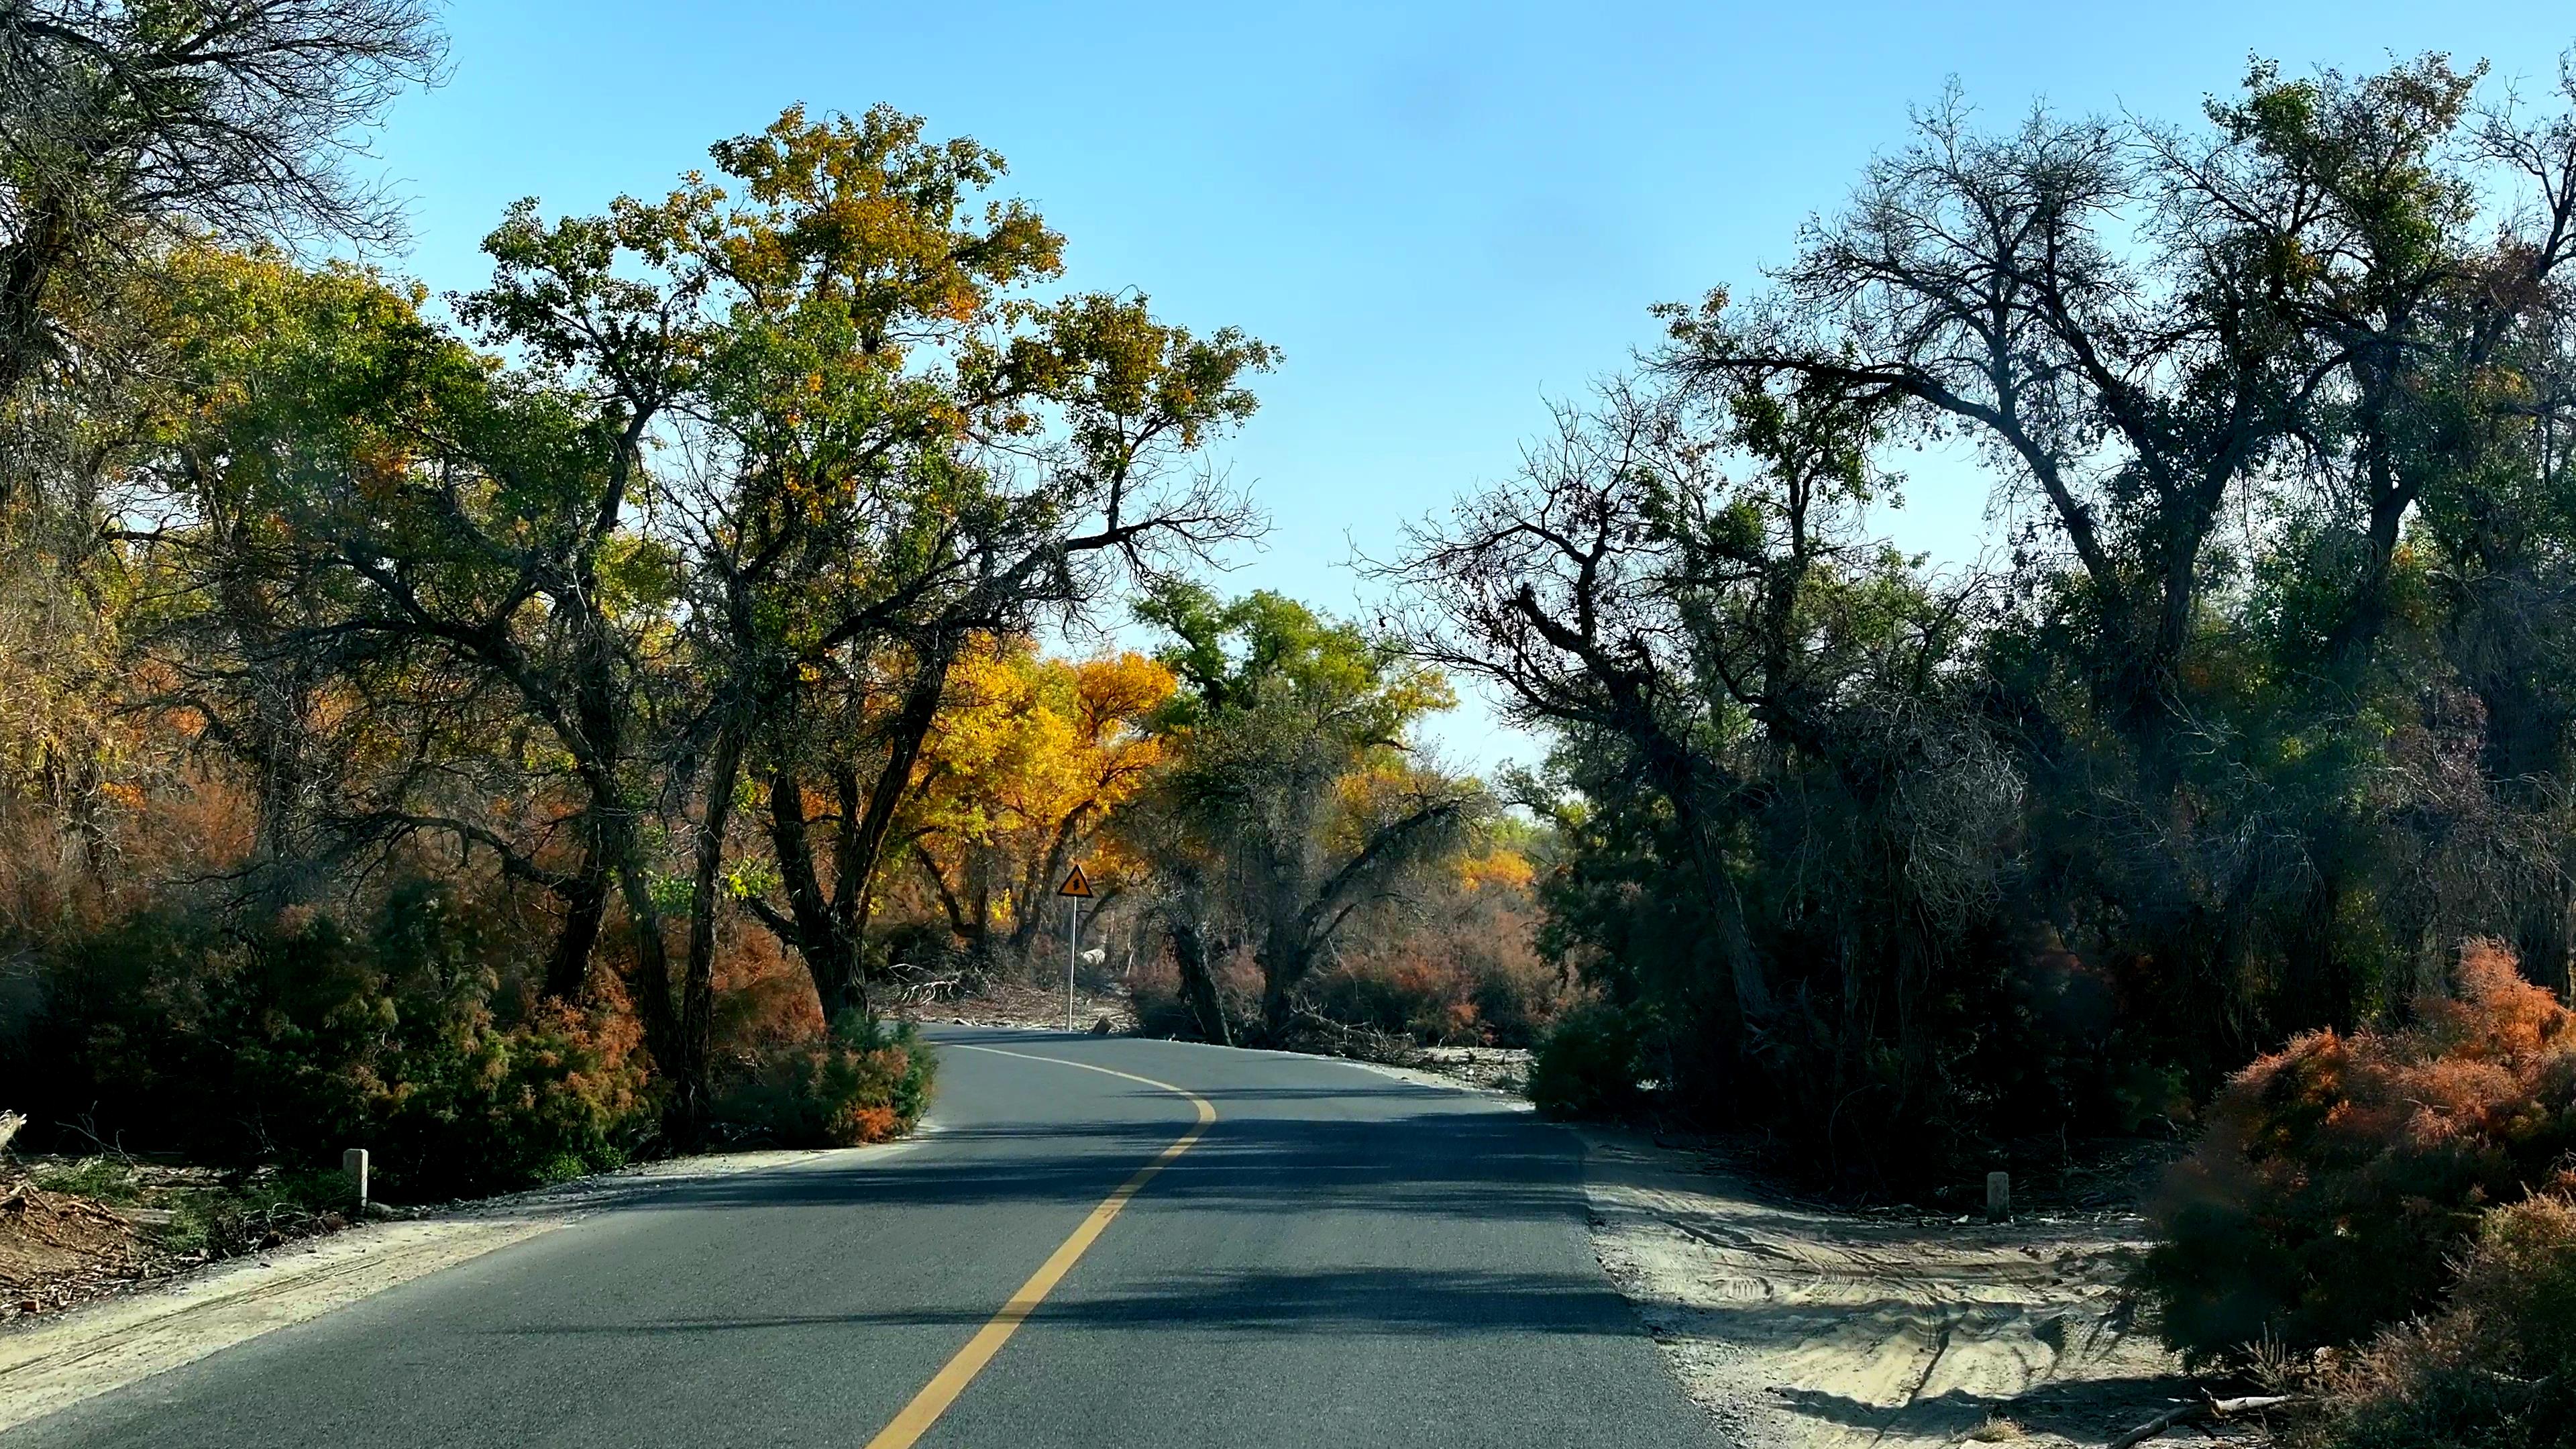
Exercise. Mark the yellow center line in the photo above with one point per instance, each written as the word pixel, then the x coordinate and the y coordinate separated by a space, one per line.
pixel 958 1372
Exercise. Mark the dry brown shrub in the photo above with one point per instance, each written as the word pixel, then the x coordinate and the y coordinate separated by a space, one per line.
pixel 1154 994
pixel 2339 1175
pixel 763 999
pixel 1467 972
pixel 2492 1369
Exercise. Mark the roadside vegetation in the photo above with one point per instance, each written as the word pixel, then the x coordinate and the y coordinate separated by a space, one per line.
pixel 501 730
pixel 200 1214
pixel 2228 801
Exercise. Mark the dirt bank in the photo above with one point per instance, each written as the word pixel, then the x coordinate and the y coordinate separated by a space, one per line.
pixel 1017 1004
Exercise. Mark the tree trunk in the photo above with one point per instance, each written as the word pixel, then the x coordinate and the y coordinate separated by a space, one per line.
pixel 1274 1012
pixel 585 907
pixel 689 1074
pixel 1283 966
pixel 814 928
pixel 25 267
pixel 829 930
pixel 863 847
pixel 1198 982
pixel 652 955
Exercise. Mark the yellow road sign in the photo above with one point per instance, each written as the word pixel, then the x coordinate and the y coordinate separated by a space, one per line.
pixel 1076 885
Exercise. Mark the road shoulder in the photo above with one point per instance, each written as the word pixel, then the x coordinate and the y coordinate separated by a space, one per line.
pixel 1800 1325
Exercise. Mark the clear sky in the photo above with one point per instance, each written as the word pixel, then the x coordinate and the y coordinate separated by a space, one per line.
pixel 1445 214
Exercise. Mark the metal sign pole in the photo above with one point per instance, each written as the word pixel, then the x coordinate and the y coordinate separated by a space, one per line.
pixel 1075 890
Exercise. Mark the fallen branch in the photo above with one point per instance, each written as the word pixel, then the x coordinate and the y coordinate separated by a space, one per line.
pixel 48 1216
pixel 924 993
pixel 2195 1413
pixel 1311 1030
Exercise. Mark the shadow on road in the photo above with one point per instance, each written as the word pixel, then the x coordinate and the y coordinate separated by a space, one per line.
pixel 1323 1301
pixel 1365 1144
pixel 1481 1166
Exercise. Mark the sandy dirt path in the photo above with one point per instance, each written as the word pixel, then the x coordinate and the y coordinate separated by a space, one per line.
pixel 1800 1327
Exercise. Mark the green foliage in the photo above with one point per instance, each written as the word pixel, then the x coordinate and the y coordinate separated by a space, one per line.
pixel 1591 1065
pixel 1295 801
pixel 1789 830
pixel 292 1037
pixel 690 513
pixel 2269 706
pixel 2339 1177
pixel 132 122
pixel 260 1210
pixel 99 1178
pixel 863 1083
pixel 1230 656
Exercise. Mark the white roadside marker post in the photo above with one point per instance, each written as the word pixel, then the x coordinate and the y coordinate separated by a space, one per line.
pixel 353 1162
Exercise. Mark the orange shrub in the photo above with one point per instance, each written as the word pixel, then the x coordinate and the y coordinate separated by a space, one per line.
pixel 763 1000
pixel 1403 993
pixel 402 1023
pixel 2339 1176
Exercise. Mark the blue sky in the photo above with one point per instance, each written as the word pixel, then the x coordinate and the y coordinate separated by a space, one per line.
pixel 1445 214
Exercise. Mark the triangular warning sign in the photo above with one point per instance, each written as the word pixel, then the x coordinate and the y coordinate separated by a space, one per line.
pixel 1076 884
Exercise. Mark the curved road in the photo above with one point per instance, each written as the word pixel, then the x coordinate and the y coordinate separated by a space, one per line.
pixel 1341 1259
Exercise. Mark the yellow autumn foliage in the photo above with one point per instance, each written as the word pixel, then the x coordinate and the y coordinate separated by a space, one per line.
pixel 1029 757
pixel 1501 867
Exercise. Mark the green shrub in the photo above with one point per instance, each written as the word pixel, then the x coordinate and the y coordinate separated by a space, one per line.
pixel 99 1178
pixel 1589 1065
pixel 862 1083
pixel 2339 1177
pixel 287 1038
pixel 560 1095
pixel 2491 1370
pixel 193 1211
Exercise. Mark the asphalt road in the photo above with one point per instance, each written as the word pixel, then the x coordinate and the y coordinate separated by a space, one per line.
pixel 1341 1259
